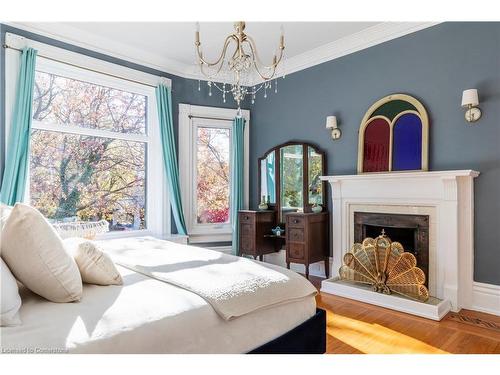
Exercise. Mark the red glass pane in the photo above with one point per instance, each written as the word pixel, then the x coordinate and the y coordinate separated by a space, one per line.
pixel 376 146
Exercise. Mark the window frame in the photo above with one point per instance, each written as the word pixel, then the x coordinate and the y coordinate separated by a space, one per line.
pixel 190 119
pixel 213 124
pixel 156 196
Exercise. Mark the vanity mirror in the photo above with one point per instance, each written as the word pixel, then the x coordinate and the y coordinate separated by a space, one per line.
pixel 289 178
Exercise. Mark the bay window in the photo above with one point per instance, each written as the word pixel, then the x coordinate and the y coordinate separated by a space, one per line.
pixel 95 149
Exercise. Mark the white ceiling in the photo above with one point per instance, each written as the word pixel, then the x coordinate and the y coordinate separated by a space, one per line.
pixel 169 46
pixel 175 41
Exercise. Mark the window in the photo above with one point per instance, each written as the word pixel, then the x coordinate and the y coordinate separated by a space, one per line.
pixel 205 172
pixel 79 170
pixel 91 147
pixel 213 175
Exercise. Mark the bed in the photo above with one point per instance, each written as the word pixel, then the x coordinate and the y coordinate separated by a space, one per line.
pixel 148 315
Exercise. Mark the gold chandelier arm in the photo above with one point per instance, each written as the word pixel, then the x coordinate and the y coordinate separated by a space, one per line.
pixel 252 45
pixel 263 76
pixel 221 57
pixel 208 75
pixel 256 62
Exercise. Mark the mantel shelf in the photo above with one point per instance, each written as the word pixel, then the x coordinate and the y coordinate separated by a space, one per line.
pixel 400 175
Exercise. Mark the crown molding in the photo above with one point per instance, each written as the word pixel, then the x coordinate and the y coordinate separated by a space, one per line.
pixel 366 38
pixel 363 39
pixel 74 36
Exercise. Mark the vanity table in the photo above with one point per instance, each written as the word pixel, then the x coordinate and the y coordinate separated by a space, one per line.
pixel 290 185
pixel 255 230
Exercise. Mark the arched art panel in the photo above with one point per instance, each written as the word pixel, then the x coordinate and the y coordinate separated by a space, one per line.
pixel 377 145
pixel 393 136
pixel 407 143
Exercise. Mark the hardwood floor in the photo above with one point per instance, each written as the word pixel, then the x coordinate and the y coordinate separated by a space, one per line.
pixel 356 327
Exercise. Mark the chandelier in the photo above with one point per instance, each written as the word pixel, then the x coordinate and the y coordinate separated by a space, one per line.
pixel 235 70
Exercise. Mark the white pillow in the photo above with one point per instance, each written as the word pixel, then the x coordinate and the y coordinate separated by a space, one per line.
pixel 96 267
pixel 10 301
pixel 36 256
pixel 4 214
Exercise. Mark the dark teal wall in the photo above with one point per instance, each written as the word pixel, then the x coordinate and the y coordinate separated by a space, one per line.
pixel 434 65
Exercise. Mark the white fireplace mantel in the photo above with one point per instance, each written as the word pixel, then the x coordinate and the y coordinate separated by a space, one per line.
pixel 446 196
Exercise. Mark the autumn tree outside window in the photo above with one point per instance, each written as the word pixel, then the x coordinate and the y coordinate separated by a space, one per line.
pixel 94 143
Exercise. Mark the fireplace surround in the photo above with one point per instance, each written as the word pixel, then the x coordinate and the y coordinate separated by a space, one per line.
pixel 445 197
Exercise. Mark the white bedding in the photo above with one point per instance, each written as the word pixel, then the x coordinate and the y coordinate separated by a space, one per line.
pixel 234 286
pixel 144 316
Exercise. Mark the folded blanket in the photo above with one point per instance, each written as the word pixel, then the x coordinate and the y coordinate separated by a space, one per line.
pixel 234 286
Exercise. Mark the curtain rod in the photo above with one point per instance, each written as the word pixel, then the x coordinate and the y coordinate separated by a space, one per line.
pixel 83 67
pixel 212 118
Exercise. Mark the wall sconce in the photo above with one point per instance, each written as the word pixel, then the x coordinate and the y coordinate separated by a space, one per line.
pixel 331 124
pixel 470 101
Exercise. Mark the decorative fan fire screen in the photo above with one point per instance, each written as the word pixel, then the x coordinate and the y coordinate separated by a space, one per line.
pixel 386 266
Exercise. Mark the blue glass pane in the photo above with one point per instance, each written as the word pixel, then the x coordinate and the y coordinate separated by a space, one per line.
pixel 407 143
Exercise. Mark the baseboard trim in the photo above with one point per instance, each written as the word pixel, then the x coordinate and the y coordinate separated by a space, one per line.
pixel 486 298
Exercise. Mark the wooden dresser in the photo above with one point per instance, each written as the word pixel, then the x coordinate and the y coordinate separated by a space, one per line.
pixel 307 239
pixel 255 227
pixel 306 236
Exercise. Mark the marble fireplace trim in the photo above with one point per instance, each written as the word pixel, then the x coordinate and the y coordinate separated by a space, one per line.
pixel 407 210
pixel 446 196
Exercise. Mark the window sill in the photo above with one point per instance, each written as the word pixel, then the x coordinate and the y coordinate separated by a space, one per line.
pixel 126 234
pixel 178 238
pixel 207 238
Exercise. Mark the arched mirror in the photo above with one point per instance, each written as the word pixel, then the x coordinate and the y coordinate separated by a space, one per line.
pixel 289 178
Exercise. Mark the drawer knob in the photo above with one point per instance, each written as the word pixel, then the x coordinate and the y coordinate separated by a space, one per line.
pixel 295 221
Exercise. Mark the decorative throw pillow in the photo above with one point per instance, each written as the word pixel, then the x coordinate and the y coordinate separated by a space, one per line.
pixel 36 256
pixel 10 301
pixel 96 267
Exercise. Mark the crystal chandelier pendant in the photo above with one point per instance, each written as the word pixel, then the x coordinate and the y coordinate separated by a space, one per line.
pixel 241 69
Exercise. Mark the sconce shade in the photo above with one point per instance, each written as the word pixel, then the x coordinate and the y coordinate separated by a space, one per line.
pixel 331 122
pixel 470 97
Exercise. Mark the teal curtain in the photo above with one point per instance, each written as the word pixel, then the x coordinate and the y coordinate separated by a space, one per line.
pixel 164 102
pixel 237 176
pixel 17 158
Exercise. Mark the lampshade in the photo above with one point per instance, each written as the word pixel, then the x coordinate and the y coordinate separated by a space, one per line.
pixel 469 97
pixel 331 122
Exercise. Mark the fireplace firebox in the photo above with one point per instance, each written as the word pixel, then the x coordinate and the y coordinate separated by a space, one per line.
pixel 412 231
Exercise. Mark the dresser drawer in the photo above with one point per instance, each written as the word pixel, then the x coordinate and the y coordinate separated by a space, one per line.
pixel 296 235
pixel 246 217
pixel 295 250
pixel 295 221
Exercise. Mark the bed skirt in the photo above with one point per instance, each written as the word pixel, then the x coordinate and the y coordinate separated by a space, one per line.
pixel 307 338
